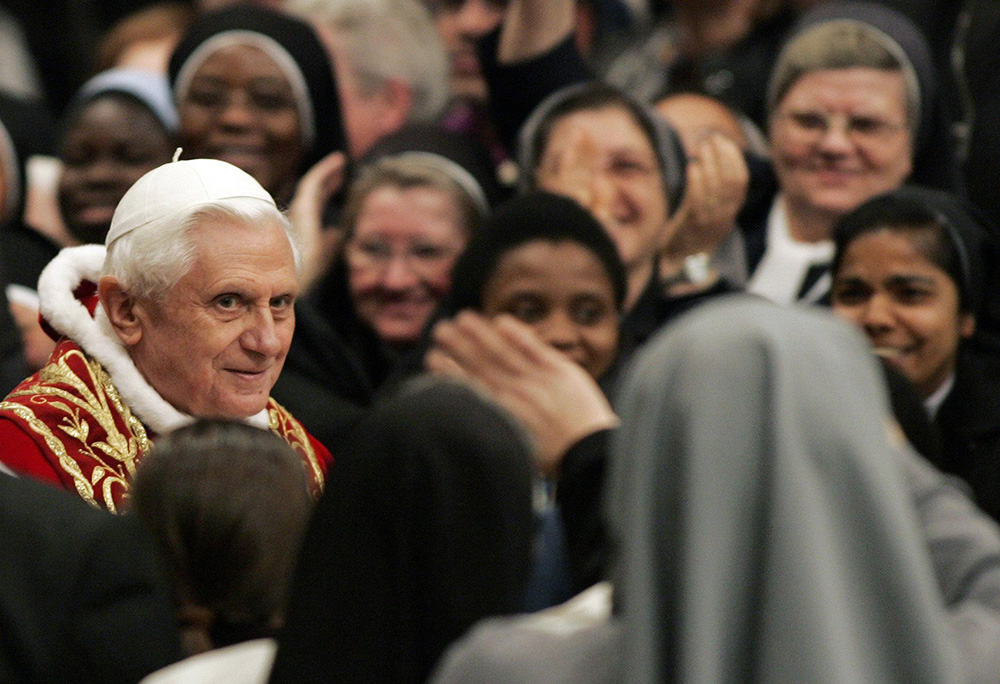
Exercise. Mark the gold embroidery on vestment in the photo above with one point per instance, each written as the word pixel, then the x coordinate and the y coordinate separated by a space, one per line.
pixel 83 488
pixel 285 426
pixel 116 456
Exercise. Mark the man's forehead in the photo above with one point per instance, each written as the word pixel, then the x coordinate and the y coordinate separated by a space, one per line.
pixel 232 242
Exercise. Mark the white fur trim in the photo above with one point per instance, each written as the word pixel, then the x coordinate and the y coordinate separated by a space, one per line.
pixel 69 317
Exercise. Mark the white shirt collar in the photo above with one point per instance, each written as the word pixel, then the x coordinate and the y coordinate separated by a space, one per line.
pixel 786 261
pixel 933 402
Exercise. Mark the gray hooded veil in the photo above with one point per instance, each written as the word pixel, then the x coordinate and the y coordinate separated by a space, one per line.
pixel 767 533
pixel 770 526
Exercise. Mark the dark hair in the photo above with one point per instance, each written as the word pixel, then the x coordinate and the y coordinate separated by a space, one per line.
pixel 536 216
pixel 906 212
pixel 227 504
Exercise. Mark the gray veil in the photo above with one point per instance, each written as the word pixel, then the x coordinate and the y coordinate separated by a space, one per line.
pixel 765 526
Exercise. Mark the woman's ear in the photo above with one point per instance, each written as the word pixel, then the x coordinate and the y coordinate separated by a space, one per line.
pixel 121 309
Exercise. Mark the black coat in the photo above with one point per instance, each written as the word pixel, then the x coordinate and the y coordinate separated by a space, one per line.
pixel 81 599
pixel 969 422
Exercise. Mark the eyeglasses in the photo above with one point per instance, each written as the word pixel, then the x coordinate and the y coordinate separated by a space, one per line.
pixel 421 257
pixel 861 130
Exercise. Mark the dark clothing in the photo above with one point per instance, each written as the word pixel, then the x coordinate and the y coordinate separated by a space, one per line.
pixel 32 132
pixel 737 76
pixel 909 412
pixel 516 89
pixel 425 527
pixel 81 598
pixel 331 299
pixel 25 253
pixel 13 368
pixel 654 309
pixel 976 96
pixel 579 495
pixel 969 422
pixel 323 383
pixel 752 219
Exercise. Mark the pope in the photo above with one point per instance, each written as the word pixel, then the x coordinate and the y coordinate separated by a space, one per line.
pixel 185 312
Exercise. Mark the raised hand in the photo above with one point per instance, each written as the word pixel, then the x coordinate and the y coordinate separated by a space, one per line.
pixel 556 401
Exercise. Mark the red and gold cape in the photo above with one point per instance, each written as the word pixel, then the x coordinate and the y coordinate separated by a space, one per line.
pixel 68 424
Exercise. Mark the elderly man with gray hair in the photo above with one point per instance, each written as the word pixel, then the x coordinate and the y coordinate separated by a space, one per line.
pixel 187 312
pixel 390 64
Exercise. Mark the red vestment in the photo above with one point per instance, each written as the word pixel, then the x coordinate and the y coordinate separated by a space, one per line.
pixel 68 425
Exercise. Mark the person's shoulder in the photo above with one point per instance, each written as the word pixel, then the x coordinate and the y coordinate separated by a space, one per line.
pixel 315 455
pixel 534 650
pixel 81 591
pixel 973 405
pixel 26 499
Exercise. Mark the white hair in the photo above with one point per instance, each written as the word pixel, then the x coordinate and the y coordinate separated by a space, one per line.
pixel 148 263
pixel 385 40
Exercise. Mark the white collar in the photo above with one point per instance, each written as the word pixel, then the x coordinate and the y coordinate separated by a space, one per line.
pixel 786 261
pixel 933 402
pixel 69 317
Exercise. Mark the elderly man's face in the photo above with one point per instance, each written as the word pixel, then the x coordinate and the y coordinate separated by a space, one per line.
pixel 215 346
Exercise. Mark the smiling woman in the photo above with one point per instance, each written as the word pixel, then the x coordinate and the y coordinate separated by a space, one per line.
pixel 255 87
pixel 547 261
pixel 407 218
pixel 120 125
pixel 616 158
pixel 852 113
pixel 911 269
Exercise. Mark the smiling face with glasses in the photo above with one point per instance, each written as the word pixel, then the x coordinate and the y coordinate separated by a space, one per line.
pixel 399 258
pixel 838 138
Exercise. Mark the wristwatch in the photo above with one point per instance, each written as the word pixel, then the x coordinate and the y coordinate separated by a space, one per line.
pixel 696 270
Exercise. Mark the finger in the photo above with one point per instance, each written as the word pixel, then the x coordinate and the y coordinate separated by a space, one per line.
pixel 732 163
pixel 579 181
pixel 473 343
pixel 522 338
pixel 711 167
pixel 699 197
pixel 325 177
pixel 438 362
pixel 333 167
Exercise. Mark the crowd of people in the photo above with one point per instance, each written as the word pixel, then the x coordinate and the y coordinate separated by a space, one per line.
pixel 501 341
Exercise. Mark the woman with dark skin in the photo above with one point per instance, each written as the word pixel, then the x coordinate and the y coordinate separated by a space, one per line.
pixel 121 124
pixel 545 262
pixel 255 87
